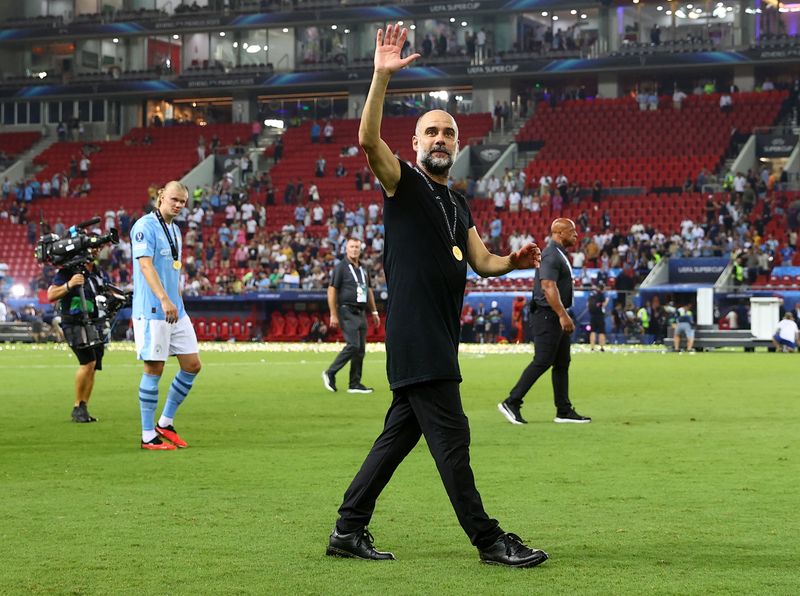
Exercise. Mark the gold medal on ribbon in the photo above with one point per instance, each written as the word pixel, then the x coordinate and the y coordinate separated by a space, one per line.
pixel 457 253
pixel 177 265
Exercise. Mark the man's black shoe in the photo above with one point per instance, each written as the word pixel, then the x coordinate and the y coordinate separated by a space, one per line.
pixel 510 551
pixel 356 545
pixel 511 412
pixel 359 389
pixel 82 406
pixel 329 381
pixel 571 417
pixel 81 414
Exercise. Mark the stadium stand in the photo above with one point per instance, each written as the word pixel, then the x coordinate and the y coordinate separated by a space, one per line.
pixel 613 141
pixel 14 143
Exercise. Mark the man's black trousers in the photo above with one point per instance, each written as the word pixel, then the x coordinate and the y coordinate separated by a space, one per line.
pixel 432 409
pixel 354 329
pixel 551 349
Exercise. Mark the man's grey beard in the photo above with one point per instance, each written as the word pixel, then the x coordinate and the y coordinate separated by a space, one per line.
pixel 437 165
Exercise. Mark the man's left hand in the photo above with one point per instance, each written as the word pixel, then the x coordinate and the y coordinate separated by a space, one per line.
pixel 376 319
pixel 527 257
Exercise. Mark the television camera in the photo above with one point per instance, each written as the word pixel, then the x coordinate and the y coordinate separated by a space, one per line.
pixel 72 253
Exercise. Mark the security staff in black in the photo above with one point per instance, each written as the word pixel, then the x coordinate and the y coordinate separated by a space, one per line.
pixel 64 290
pixel 349 295
pixel 430 238
pixel 551 327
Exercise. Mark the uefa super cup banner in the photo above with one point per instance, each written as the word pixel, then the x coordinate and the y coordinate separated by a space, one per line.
pixel 697 270
pixel 482 157
pixel 775 145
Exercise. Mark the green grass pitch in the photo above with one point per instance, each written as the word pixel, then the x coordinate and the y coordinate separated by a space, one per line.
pixel 685 483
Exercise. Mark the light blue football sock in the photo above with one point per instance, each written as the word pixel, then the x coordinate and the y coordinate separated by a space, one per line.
pixel 178 390
pixel 148 400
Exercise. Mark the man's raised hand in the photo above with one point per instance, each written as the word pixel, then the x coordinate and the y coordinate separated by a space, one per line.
pixel 388 47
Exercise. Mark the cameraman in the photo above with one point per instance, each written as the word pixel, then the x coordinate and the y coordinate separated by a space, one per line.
pixel 65 291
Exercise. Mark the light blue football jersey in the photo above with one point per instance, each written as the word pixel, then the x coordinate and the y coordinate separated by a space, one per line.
pixel 149 240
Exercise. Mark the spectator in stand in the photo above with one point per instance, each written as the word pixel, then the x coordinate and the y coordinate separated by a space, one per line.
pixel 499 200
pixel 725 102
pixel 201 148
pixel 562 184
pixel 340 170
pixel 678 97
pixel 255 132
pixel 327 132
pixel 277 154
pixel 320 167
pixel 496 234
pixel 315 132
pixel 84 166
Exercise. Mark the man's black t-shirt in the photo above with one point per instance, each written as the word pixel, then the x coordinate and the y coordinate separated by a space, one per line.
pixel 346 279
pixel 555 267
pixel 595 304
pixel 70 304
pixel 425 281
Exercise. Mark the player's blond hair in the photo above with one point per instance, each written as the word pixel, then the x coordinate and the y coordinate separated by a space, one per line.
pixel 174 184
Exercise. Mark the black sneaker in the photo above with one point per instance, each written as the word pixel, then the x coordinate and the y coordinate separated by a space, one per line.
pixel 81 414
pixel 571 417
pixel 83 406
pixel 356 545
pixel 511 412
pixel 510 551
pixel 329 381
pixel 360 389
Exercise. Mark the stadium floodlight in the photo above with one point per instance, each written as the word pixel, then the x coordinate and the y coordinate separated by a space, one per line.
pixel 545 13
pixel 401 23
pixel 452 19
pixel 42 75
pixel 584 16
pixel 443 95
pixel 115 40
pixel 334 27
pixel 175 36
pixel 689 6
pixel 412 27
pixel 659 8
pixel 252 49
pixel 346 31
pixel 17 290
pixel 555 17
pixel 286 29
pixel 272 123
pixel 463 23
pixel 668 13
pixel 222 34
pixel 573 12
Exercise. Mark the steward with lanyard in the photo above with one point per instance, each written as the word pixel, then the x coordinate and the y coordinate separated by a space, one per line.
pixel 349 296
pixel 552 327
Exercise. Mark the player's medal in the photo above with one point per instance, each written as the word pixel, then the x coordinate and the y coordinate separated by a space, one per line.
pixel 177 264
pixel 457 253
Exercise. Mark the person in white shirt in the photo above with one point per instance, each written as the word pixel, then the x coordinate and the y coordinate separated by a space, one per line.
pixel 544 183
pixel 677 99
pixel 319 214
pixel 247 210
pixel 786 334
pixel 499 200
pixel 3 311
pixel 514 199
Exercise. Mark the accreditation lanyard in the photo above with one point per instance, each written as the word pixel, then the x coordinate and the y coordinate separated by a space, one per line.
pixel 566 260
pixel 361 286
pixel 172 243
